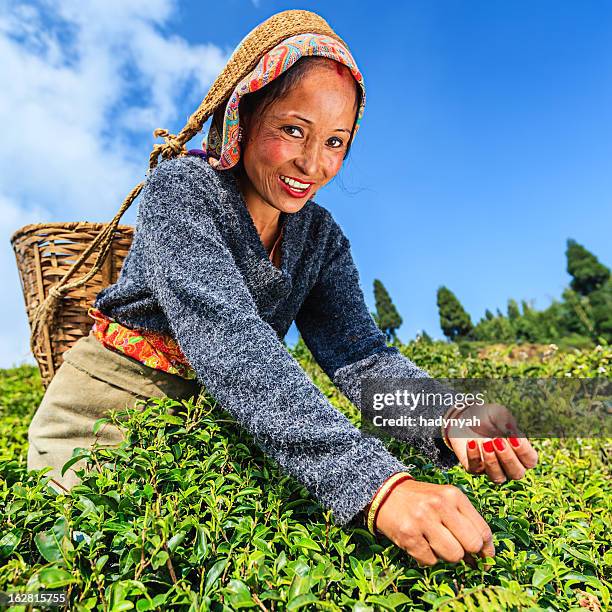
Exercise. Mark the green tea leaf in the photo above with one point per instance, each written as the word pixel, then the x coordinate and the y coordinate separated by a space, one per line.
pixel 213 575
pixel 302 601
pixel 55 577
pixel 175 540
pixel 541 577
pixel 9 542
pixel 390 602
pixel 99 423
pixel 160 558
pixel 53 544
pixel 239 595
pixel 308 543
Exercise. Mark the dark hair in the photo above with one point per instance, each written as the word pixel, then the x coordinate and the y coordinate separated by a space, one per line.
pixel 258 101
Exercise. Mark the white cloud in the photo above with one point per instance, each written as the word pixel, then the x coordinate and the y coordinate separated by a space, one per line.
pixel 84 85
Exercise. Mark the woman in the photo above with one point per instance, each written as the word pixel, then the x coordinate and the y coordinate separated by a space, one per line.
pixel 229 249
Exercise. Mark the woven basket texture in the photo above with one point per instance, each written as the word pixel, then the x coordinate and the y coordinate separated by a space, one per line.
pixel 44 253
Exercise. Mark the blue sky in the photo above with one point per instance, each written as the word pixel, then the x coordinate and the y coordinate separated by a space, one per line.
pixel 486 140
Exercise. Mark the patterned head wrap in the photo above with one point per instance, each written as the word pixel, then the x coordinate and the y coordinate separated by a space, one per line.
pixel 225 147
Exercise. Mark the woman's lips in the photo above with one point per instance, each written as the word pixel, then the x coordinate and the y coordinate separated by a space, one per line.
pixel 293 191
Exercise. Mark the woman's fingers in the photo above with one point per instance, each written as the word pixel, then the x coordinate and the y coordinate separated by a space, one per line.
pixel 480 526
pixel 491 464
pixel 488 548
pixel 474 459
pixel 444 544
pixel 464 525
pixel 422 553
pixel 526 454
pixel 502 419
pixel 501 458
pixel 469 535
pixel 510 463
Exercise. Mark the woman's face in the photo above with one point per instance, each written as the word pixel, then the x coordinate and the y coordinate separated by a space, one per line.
pixel 297 144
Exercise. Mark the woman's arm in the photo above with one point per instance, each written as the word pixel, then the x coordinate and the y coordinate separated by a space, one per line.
pixel 238 356
pixel 337 327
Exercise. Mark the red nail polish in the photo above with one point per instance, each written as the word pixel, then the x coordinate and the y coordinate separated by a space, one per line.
pixel 499 444
pixel 471 444
pixel 514 441
pixel 510 426
pixel 488 446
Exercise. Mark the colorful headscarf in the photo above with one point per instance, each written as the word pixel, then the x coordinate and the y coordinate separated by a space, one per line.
pixel 225 147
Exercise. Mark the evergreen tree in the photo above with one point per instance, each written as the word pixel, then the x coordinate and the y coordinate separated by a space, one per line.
pixel 454 320
pixel 551 322
pixel 497 329
pixel 489 316
pixel 387 317
pixel 525 329
pixel 425 337
pixel 577 315
pixel 527 309
pixel 601 309
pixel 502 331
pixel 513 310
pixel 587 272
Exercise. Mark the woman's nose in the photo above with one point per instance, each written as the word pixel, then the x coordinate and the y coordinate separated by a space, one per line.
pixel 310 159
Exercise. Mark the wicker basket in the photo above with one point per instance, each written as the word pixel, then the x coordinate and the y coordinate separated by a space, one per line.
pixel 45 252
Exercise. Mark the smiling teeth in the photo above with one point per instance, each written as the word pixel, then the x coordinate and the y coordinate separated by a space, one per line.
pixel 295 184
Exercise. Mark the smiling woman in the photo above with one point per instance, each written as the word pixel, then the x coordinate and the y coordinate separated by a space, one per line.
pixel 230 248
pixel 295 138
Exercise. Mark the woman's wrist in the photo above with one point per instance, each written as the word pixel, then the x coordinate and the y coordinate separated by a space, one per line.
pixel 450 413
pixel 372 509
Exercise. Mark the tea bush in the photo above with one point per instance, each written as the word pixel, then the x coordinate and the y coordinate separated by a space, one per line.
pixel 188 514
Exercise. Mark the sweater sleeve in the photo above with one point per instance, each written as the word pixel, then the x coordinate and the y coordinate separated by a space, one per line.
pixel 339 331
pixel 239 358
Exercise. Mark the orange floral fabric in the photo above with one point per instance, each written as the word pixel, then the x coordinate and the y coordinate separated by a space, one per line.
pixel 158 351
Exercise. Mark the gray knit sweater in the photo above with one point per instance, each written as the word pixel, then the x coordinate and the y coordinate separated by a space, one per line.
pixel 198 270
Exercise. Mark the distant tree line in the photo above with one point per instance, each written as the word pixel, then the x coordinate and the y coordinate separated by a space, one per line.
pixel 583 315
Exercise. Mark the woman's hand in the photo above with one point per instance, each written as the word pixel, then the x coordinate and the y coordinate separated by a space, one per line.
pixel 486 449
pixel 434 522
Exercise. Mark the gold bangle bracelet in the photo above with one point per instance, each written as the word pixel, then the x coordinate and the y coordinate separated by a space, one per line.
pixel 450 413
pixel 381 496
pixel 446 441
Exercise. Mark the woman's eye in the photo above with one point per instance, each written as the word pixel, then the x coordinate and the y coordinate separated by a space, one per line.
pixel 292 130
pixel 335 142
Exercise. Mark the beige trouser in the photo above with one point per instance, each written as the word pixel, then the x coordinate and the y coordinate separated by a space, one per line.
pixel 92 381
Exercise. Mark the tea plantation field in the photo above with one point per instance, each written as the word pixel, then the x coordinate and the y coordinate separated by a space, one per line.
pixel 188 514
